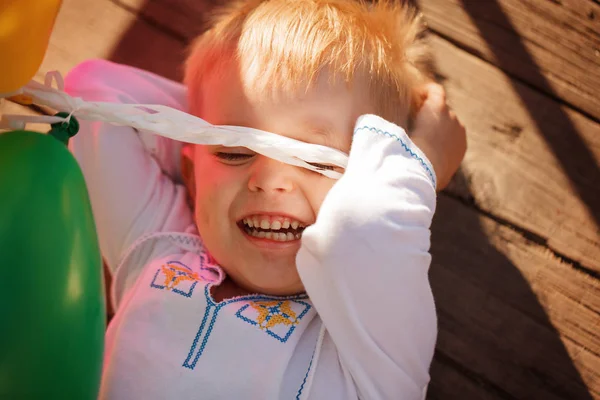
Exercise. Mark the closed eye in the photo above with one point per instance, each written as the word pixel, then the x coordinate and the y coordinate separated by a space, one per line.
pixel 238 158
pixel 323 166
pixel 233 157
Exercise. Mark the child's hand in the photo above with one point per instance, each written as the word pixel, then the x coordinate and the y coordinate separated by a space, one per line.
pixel 439 134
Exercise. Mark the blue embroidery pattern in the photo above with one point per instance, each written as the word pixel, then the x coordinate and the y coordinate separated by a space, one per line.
pixel 278 318
pixel 191 360
pixel 212 310
pixel 305 376
pixel 412 153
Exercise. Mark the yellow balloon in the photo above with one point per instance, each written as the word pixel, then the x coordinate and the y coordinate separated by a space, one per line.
pixel 25 27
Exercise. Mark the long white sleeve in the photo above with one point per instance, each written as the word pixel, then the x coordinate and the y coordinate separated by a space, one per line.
pixel 365 261
pixel 129 174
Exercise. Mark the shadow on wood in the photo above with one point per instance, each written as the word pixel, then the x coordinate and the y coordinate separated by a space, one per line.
pixel 559 132
pixel 179 21
pixel 496 340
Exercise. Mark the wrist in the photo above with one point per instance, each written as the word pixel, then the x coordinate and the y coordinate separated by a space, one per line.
pixel 374 134
pixel 433 158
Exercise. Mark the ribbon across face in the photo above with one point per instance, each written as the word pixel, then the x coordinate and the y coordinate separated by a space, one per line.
pixel 180 126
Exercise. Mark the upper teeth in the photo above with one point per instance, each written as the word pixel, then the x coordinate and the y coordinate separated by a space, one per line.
pixel 266 224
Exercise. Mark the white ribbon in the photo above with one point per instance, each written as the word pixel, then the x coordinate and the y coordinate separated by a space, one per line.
pixel 177 125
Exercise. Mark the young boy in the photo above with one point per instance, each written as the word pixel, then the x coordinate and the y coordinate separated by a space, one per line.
pixel 300 286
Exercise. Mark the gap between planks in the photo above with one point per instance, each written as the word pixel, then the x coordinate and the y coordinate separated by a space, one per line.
pixel 525 234
pixel 151 21
pixel 554 45
pixel 474 52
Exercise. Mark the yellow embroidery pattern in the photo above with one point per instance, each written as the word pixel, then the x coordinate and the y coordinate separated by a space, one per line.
pixel 175 274
pixel 177 278
pixel 273 313
pixel 278 318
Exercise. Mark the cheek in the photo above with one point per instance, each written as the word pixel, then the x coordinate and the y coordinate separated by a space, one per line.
pixel 216 189
pixel 317 191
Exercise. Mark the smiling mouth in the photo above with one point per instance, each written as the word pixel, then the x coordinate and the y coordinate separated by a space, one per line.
pixel 279 230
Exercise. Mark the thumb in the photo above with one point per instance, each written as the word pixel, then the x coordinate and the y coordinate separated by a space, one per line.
pixel 434 104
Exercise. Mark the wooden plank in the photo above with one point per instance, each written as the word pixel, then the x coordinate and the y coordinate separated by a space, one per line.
pixel 519 322
pixel 511 168
pixel 450 379
pixel 180 18
pixel 547 32
pixel 103 29
pixel 553 45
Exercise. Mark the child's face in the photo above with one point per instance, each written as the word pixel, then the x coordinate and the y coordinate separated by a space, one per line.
pixel 235 186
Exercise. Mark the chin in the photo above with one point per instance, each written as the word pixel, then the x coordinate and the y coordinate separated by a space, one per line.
pixel 267 275
pixel 279 286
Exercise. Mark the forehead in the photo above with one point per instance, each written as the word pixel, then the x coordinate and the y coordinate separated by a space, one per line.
pixel 323 112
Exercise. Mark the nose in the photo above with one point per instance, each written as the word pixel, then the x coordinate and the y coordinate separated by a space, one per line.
pixel 268 175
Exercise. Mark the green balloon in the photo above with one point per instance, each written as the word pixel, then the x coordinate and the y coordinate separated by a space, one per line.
pixel 52 311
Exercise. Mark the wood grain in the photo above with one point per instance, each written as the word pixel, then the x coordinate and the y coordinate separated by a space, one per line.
pixel 518 322
pixel 511 169
pixel 103 29
pixel 552 45
pixel 180 18
pixel 450 379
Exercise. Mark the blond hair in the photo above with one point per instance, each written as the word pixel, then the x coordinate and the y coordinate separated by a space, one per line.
pixel 282 46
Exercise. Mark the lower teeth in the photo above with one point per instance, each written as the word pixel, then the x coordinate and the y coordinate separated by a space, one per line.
pixel 277 236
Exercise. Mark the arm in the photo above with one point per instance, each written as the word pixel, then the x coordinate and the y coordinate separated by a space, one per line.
pixel 128 174
pixel 365 262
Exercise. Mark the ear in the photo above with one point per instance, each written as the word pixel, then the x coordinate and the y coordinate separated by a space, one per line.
pixel 187 173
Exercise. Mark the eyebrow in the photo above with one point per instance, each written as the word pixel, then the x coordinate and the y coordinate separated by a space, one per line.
pixel 326 131
pixel 318 126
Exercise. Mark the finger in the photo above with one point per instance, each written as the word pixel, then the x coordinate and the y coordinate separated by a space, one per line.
pixel 435 93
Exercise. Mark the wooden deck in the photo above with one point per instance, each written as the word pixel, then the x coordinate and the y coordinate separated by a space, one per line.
pixel 516 239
